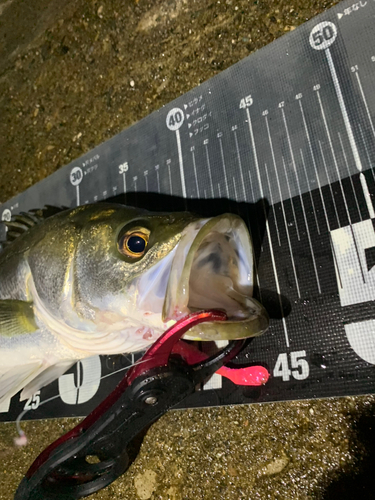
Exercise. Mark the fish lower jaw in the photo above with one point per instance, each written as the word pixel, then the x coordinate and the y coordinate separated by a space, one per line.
pixel 249 320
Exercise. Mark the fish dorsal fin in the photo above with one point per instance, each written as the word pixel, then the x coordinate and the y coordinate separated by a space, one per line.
pixel 16 318
pixel 22 222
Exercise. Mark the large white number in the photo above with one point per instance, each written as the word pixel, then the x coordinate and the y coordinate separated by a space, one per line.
pixel 33 402
pixel 76 176
pixel 89 371
pixel 300 367
pixel 6 215
pixel 354 263
pixel 175 118
pixel 323 35
pixel 124 167
pixel 282 367
pixel 353 248
pixel 246 102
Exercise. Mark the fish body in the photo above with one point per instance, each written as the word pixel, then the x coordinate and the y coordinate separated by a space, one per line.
pixel 106 279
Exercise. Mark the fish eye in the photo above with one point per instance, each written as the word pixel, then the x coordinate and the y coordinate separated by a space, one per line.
pixel 133 243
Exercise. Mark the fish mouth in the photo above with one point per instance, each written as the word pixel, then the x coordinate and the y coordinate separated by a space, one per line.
pixel 213 268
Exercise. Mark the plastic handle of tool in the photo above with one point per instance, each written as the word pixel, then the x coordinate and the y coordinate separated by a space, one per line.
pixel 157 355
pixel 112 436
pixel 96 435
pixel 66 473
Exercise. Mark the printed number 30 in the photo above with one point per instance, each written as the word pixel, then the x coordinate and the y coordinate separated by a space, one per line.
pixel 300 367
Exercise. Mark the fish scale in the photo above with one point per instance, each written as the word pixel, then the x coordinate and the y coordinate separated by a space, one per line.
pixel 286 138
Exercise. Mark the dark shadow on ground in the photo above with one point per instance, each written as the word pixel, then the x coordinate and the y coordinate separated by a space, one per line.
pixel 357 481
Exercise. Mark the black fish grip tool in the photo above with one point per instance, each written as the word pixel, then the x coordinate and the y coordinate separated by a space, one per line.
pixel 102 447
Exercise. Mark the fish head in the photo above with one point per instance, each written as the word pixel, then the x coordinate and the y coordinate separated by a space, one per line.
pixel 155 268
pixel 213 268
pixel 123 260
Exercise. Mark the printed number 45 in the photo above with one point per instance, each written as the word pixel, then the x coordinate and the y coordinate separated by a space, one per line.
pixel 246 102
pixel 300 367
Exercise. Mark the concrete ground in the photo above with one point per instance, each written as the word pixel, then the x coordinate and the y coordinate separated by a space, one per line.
pixel 73 74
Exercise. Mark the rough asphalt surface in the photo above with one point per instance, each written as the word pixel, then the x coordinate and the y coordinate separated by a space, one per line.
pixel 73 74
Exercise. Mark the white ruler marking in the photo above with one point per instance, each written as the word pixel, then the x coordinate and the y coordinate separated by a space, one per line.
pixel 314 163
pixel 224 167
pixel 365 103
pixel 158 180
pixel 124 179
pixel 78 367
pixel 170 177
pixel 350 177
pixel 195 172
pixel 366 149
pixel 340 183
pixel 294 167
pixel 282 205
pixel 181 163
pixel 310 193
pixel 240 165
pixel 300 197
pixel 290 196
pixel 235 189
pixel 306 224
pixel 334 158
pixel 367 195
pixel 253 198
pixel 344 112
pixel 209 170
pixel 348 127
pixel 329 183
pixel 272 204
pixel 215 381
pixel 267 224
pixel 251 186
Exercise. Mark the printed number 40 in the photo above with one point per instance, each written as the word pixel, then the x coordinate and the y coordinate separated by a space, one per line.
pixel 300 367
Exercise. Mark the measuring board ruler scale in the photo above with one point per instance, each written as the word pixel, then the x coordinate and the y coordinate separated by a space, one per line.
pixel 287 132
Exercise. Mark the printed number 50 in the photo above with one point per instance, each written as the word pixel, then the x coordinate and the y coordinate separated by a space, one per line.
pixel 323 35
pixel 300 367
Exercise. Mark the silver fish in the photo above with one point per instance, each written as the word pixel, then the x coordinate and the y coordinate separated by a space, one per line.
pixel 107 278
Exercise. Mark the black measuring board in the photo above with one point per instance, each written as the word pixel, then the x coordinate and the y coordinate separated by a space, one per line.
pixel 287 132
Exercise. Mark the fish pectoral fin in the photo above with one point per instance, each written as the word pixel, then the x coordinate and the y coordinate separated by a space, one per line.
pixel 16 318
pixel 46 377
pixel 13 380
